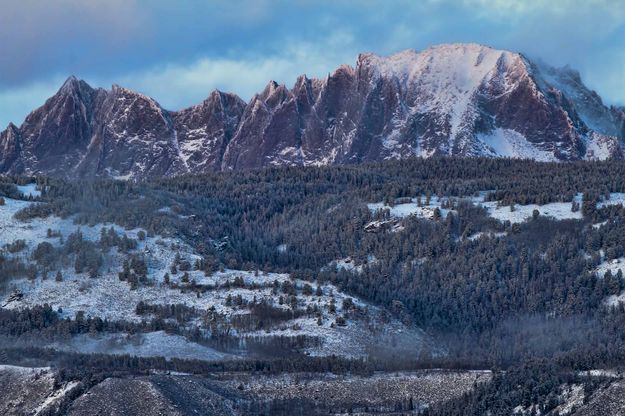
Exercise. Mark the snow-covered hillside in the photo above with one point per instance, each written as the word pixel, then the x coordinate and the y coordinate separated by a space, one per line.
pixel 248 305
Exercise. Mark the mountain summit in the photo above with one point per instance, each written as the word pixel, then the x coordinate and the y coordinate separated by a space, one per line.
pixel 456 99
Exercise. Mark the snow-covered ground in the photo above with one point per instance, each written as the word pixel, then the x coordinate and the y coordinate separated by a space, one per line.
pixel 616 198
pixel 55 397
pixel 518 214
pixel 613 266
pixel 375 392
pixel 159 252
pixel 413 208
pixel 24 371
pixel 29 190
pixel 346 264
pixel 601 373
pixel 11 230
pixel 351 265
pixel 521 213
pixel 557 210
pixel 572 397
pixel 486 234
pixel 599 224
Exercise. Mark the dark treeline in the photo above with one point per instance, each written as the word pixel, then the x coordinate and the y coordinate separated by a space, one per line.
pixel 42 323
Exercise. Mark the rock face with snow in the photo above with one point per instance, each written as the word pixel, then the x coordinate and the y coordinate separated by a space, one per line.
pixel 459 99
pixel 87 132
pixel 204 131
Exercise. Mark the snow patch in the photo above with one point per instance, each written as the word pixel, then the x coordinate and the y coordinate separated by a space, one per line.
pixel 522 213
pixel 616 198
pixel 351 265
pixel 486 234
pixel 613 266
pixel 413 208
pixel 509 143
pixel 29 190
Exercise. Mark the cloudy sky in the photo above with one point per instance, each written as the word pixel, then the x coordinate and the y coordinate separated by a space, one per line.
pixel 178 51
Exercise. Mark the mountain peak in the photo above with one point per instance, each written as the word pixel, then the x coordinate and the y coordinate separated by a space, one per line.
pixel 301 81
pixel 216 93
pixel 344 70
pixel 274 93
pixel 270 88
pixel 70 80
pixel 71 84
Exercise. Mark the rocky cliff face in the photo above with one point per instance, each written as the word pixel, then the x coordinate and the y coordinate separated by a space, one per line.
pixel 460 99
pixel 87 132
pixel 204 131
pixel 10 149
pixel 54 137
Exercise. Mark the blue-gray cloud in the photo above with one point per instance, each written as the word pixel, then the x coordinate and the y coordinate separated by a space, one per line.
pixel 179 51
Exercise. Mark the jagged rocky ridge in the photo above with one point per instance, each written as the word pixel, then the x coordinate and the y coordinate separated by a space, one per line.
pixel 459 99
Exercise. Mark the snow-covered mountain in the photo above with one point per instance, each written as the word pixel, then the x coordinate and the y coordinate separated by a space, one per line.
pixel 457 99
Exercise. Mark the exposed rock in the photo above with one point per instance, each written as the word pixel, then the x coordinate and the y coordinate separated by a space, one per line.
pixel 458 99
